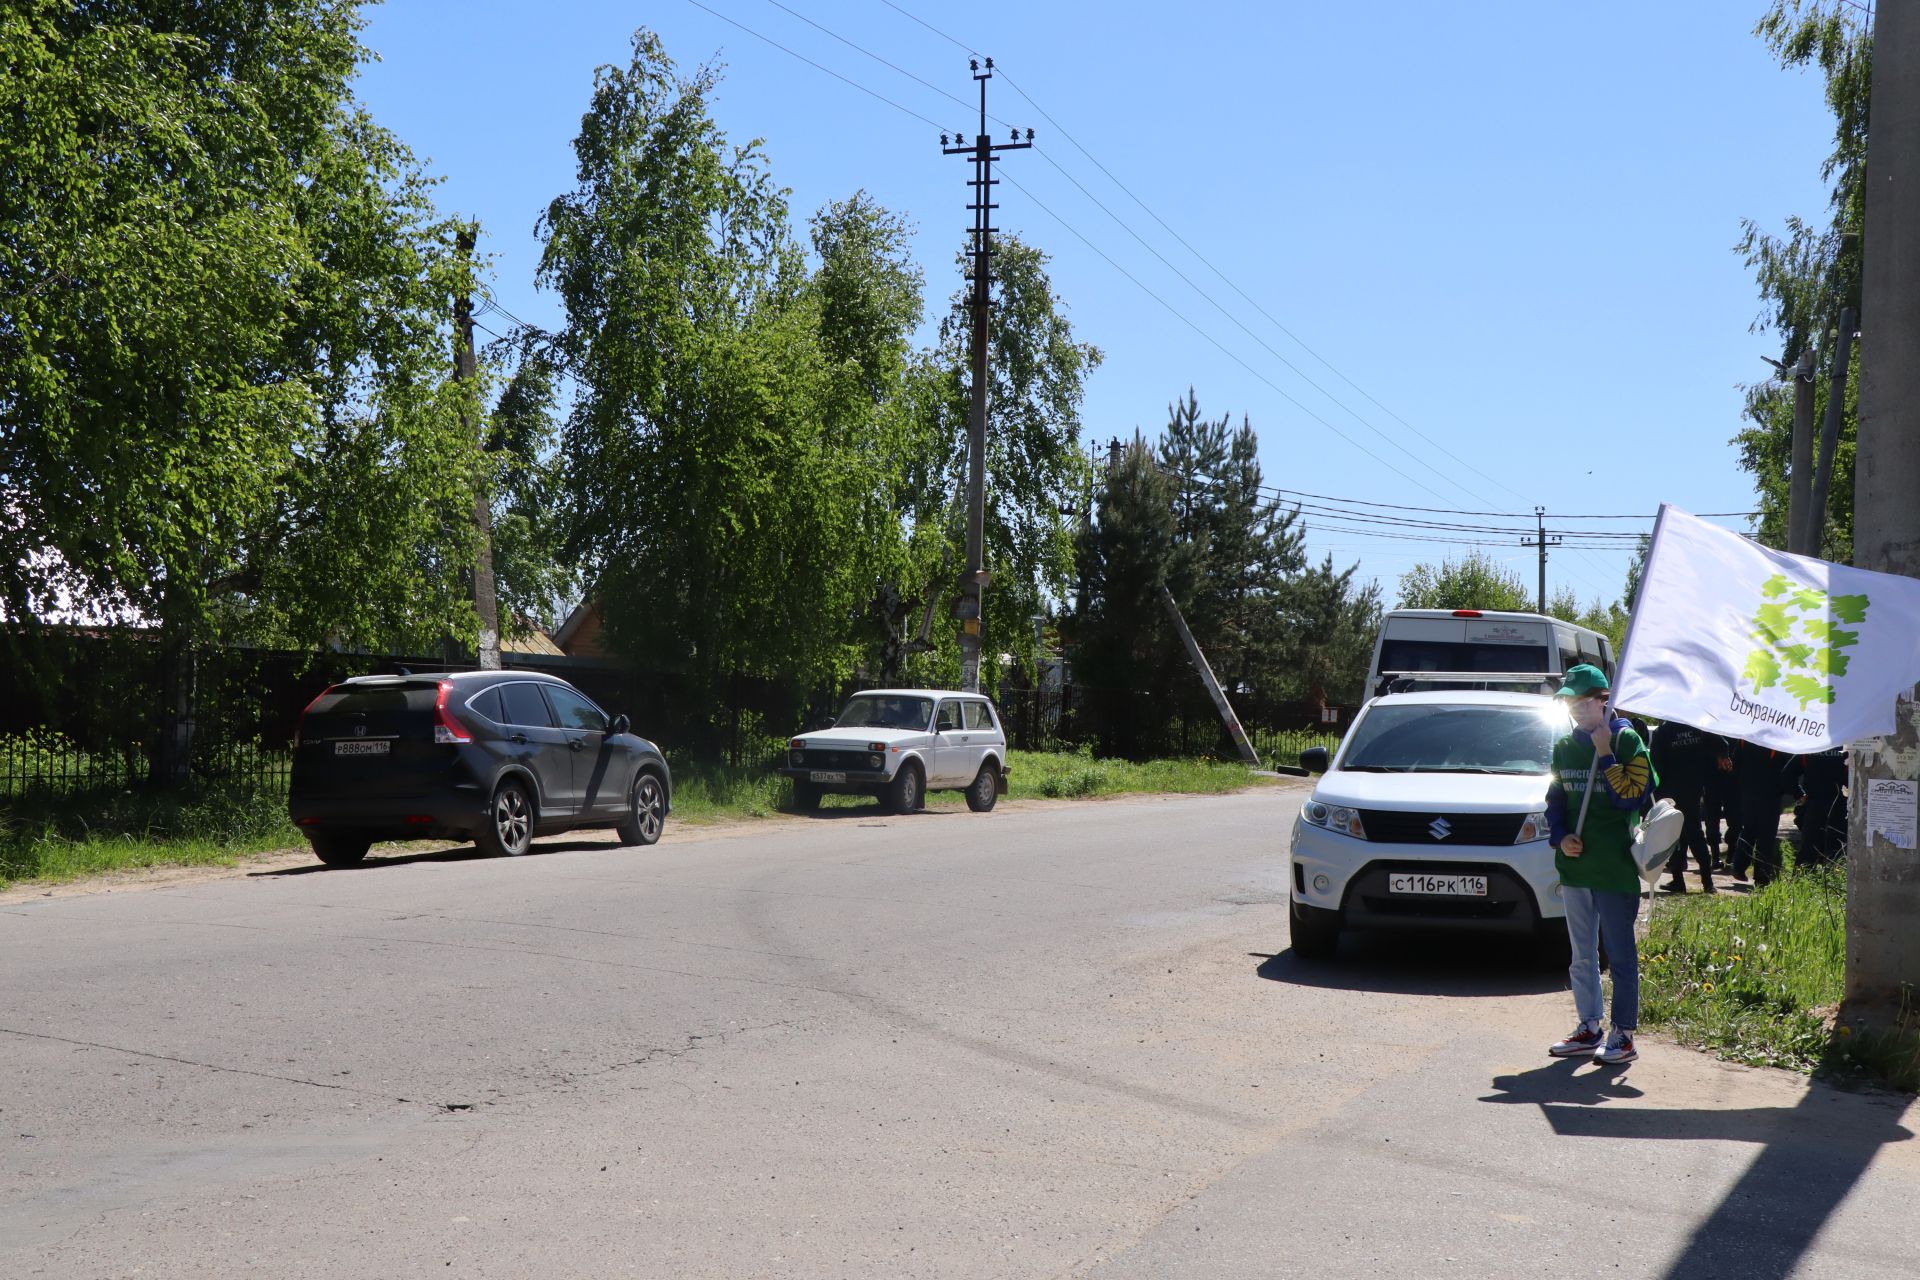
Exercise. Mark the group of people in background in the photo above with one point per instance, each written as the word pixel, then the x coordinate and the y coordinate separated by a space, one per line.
pixel 1735 791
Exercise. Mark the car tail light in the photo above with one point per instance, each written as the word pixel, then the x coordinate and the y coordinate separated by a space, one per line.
pixel 1466 613
pixel 447 731
pixel 300 729
pixel 418 819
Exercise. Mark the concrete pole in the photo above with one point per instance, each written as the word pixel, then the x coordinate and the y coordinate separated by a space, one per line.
pixel 1883 883
pixel 1816 526
pixel 1800 471
pixel 485 604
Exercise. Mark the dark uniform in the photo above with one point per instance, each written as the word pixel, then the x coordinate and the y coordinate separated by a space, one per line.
pixel 1686 759
pixel 1767 779
pixel 1723 801
pixel 1823 814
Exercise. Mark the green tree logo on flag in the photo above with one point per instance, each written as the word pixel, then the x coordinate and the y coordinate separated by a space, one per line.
pixel 1801 640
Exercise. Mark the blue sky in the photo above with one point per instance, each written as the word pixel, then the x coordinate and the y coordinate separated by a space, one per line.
pixel 1507 227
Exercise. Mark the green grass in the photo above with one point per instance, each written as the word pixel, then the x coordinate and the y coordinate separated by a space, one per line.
pixel 1757 978
pixel 53 838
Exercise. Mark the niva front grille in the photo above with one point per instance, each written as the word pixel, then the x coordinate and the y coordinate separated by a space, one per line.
pixel 814 758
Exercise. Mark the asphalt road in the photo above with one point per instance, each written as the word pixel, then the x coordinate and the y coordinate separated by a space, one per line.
pixel 1051 1041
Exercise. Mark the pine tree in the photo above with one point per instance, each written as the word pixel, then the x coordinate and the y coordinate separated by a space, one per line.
pixel 1124 555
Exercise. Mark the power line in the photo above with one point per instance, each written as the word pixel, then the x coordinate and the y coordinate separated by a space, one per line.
pixel 882 61
pixel 1271 319
pixel 1181 316
pixel 1499 515
pixel 816 66
pixel 1595 537
pixel 1188 280
pixel 937 31
pixel 1217 306
pixel 1390 522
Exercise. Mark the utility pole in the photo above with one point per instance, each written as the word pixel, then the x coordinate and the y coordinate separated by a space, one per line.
pixel 1816 526
pixel 973 584
pixel 1205 670
pixel 485 606
pixel 1800 469
pixel 1883 882
pixel 1542 541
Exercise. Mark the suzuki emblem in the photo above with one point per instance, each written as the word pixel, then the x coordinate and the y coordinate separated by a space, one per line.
pixel 359 731
pixel 1440 828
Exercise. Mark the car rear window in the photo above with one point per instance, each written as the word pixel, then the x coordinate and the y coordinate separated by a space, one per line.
pixel 977 717
pixel 1441 655
pixel 524 705
pixel 488 705
pixel 376 700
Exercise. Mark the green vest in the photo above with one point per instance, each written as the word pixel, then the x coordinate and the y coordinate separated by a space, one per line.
pixel 1607 859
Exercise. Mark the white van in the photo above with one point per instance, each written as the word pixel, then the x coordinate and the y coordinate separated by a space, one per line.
pixel 1462 643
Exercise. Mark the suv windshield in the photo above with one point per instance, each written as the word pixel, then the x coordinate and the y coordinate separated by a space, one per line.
pixel 1439 738
pixel 873 711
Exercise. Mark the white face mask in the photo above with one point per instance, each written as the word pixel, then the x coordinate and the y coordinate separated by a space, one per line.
pixel 1588 714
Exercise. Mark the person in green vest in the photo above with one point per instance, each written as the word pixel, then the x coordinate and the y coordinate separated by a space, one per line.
pixel 1594 856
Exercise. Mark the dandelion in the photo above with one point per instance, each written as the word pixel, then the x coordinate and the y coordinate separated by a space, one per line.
pixel 1707 987
pixel 1846 1031
pixel 1736 959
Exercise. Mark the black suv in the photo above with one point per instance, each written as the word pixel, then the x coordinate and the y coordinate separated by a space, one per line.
pixel 495 757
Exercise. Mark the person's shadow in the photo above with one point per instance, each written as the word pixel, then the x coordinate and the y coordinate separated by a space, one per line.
pixel 1564 1082
pixel 1811 1156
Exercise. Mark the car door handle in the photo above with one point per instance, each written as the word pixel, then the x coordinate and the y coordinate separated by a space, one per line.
pixel 576 744
pixel 520 738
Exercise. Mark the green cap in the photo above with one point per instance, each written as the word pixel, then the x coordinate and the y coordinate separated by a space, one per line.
pixel 1583 680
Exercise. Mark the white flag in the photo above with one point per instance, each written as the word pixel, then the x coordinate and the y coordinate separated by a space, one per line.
pixel 1786 651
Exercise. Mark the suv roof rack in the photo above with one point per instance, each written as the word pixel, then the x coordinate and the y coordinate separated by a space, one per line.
pixel 1516 681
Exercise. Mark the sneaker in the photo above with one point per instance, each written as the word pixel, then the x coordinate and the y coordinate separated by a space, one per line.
pixel 1675 885
pixel 1585 1039
pixel 1619 1049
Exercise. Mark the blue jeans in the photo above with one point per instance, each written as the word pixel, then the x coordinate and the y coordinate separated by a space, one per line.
pixel 1593 914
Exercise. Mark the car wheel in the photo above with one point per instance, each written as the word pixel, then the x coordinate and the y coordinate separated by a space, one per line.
pixel 336 849
pixel 903 794
pixel 646 812
pixel 984 790
pixel 806 796
pixel 508 831
pixel 1315 931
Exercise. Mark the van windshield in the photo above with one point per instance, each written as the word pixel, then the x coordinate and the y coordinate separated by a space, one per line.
pixel 1462 655
pixel 1440 738
pixel 892 711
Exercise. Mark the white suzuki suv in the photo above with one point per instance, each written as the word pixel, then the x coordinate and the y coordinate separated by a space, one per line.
pixel 899 744
pixel 1432 815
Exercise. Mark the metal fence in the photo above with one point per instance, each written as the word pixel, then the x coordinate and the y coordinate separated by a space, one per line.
pixel 1138 724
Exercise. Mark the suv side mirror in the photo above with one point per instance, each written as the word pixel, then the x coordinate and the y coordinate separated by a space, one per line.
pixel 620 725
pixel 1315 760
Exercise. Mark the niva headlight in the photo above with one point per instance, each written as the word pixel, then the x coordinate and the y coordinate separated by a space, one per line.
pixel 1335 817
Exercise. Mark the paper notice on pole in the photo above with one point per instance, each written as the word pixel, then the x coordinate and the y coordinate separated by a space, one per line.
pixel 1893 810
